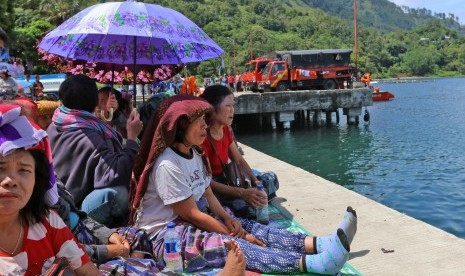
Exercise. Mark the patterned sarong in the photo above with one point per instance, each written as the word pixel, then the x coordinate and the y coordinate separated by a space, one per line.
pixel 130 266
pixel 200 249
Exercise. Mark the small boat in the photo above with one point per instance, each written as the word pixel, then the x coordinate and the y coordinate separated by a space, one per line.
pixel 378 95
pixel 382 96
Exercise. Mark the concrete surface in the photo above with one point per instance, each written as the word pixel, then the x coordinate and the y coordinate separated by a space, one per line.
pixel 252 103
pixel 318 205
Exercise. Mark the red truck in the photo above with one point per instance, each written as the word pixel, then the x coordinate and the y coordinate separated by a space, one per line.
pixel 252 74
pixel 307 69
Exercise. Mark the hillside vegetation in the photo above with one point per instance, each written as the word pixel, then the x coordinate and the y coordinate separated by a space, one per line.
pixel 393 41
pixel 384 15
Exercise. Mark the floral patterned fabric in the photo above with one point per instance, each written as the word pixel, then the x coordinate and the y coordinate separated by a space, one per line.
pixel 110 32
pixel 111 73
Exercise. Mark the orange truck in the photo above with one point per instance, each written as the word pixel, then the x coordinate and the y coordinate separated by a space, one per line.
pixel 307 69
pixel 252 74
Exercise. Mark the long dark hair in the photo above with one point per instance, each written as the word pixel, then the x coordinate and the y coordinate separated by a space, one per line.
pixel 35 209
pixel 215 95
pixel 181 129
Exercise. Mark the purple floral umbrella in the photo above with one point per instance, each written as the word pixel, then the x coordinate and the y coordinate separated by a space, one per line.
pixel 130 33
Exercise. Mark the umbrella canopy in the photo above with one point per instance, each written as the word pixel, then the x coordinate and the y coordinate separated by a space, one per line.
pixel 130 33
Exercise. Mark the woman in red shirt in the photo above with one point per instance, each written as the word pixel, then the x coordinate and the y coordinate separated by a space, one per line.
pixel 239 200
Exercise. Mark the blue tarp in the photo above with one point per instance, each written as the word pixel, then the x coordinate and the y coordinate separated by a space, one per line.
pixel 4 55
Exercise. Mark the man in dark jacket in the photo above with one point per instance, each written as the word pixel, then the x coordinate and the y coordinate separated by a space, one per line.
pixel 89 156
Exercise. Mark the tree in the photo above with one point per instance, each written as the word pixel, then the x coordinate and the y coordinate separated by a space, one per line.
pixel 57 11
pixel 26 39
pixel 7 15
pixel 421 61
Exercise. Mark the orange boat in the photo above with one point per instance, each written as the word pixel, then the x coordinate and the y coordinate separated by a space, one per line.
pixel 378 96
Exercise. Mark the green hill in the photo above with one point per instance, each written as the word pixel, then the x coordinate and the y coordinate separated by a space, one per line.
pixel 393 40
pixel 382 14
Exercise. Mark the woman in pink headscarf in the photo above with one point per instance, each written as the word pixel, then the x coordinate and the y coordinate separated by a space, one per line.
pixel 172 184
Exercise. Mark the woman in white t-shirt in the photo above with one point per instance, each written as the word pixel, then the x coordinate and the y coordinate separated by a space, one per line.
pixel 173 184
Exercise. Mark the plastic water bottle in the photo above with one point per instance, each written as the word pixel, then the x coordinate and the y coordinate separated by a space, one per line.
pixel 262 211
pixel 172 252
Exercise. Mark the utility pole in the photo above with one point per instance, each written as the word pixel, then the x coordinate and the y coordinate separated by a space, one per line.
pixel 355 40
pixel 234 54
pixel 234 57
pixel 251 46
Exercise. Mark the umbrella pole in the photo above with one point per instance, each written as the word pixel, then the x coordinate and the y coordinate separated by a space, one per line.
pixel 112 77
pixel 134 90
pixel 185 79
pixel 143 93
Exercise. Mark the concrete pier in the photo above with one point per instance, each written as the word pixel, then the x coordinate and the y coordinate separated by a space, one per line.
pixel 285 103
pixel 281 106
pixel 318 205
pixel 252 103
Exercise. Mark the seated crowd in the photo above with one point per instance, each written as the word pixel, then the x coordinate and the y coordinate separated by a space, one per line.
pixel 103 202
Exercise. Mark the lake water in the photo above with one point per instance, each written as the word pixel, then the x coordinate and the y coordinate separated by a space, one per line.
pixel 411 157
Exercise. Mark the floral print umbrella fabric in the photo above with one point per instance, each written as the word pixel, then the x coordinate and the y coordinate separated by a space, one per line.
pixel 109 32
pixel 112 73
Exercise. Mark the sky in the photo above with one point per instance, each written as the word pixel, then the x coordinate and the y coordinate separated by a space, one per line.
pixel 457 7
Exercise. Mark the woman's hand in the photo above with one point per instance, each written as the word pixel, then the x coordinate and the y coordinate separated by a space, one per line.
pixel 254 197
pixel 117 250
pixel 252 239
pixel 235 227
pixel 134 125
pixel 118 246
pixel 116 238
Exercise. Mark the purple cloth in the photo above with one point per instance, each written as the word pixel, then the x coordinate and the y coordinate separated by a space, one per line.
pixel 16 132
pixel 106 33
pixel 66 119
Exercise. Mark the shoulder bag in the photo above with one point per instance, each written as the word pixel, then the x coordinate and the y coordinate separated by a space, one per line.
pixel 59 267
pixel 233 172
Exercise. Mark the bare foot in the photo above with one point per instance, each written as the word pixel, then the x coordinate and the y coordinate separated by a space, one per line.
pixel 235 261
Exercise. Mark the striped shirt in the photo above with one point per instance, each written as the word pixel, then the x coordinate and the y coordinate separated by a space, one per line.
pixel 43 242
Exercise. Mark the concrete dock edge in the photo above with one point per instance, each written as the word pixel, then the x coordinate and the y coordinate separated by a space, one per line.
pixel 318 205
